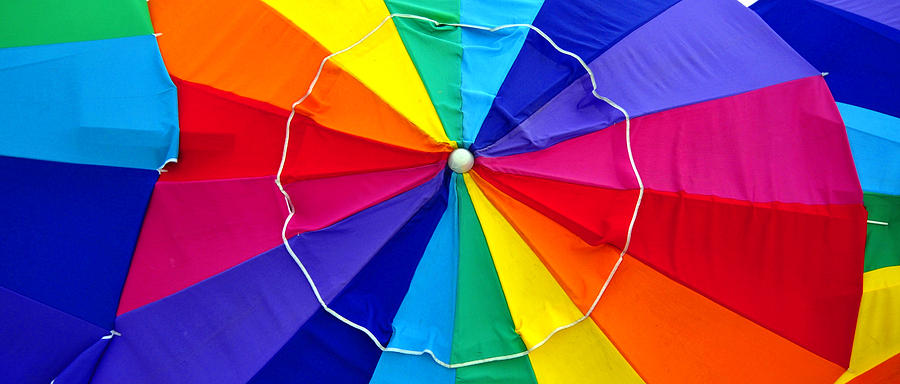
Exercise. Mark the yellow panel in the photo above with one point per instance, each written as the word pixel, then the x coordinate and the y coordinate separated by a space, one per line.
pixel 581 354
pixel 381 62
pixel 878 327
pixel 538 305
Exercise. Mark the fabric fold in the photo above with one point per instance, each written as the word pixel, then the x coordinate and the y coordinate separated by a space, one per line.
pixel 792 153
pixel 540 72
pixel 675 59
pixel 488 56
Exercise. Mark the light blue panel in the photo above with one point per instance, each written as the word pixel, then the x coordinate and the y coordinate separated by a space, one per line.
pixel 487 56
pixel 875 143
pixel 408 369
pixel 425 318
pixel 103 102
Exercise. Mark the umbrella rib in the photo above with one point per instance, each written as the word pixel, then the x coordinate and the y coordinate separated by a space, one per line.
pixel 291 210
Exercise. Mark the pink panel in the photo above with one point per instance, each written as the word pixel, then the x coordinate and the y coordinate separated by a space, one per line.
pixel 196 229
pixel 781 143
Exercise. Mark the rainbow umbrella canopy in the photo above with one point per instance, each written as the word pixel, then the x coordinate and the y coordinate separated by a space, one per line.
pixel 662 191
pixel 858 43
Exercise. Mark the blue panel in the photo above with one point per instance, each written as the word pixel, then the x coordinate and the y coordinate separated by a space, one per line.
pixel 39 341
pixel 875 142
pixel 104 102
pixel 68 232
pixel 487 56
pixel 584 27
pixel 410 369
pixel 325 350
pixel 860 55
pixel 425 319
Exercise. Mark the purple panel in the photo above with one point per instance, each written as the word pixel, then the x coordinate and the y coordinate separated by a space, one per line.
pixel 225 328
pixel 39 341
pixel 886 12
pixel 81 370
pixel 695 51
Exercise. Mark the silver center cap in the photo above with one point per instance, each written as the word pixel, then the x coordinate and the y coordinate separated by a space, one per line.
pixel 461 160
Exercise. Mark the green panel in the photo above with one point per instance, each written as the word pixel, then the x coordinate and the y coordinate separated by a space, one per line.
pixel 882 241
pixel 437 54
pixel 515 371
pixel 37 22
pixel 483 326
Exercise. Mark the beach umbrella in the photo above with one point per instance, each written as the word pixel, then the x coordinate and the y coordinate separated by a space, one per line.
pixel 858 44
pixel 554 192
pixel 87 115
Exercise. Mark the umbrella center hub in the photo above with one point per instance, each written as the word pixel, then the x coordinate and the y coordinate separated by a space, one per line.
pixel 461 160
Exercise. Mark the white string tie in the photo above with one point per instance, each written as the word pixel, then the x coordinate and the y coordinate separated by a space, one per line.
pixel 111 334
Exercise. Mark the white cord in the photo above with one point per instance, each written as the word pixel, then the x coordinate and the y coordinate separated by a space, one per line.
pixel 876 222
pixel 291 210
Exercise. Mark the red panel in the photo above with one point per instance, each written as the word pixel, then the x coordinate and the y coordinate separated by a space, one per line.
pixel 795 269
pixel 317 152
pixel 598 215
pixel 227 136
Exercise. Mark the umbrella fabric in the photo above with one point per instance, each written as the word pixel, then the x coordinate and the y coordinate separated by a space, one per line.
pixel 858 44
pixel 87 115
pixel 743 263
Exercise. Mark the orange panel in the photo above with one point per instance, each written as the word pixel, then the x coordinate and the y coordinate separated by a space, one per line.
pixel 245 47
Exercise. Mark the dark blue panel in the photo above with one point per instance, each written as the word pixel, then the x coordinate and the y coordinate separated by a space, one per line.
pixel 326 350
pixel 584 27
pixel 39 341
pixel 860 55
pixel 67 232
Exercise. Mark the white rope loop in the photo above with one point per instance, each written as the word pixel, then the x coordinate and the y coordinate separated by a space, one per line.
pixel 291 210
